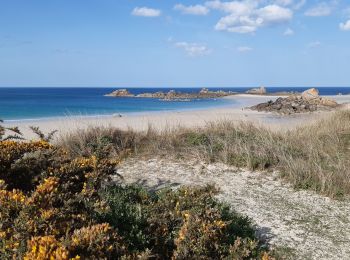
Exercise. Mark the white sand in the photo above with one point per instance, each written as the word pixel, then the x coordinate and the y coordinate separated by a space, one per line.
pixel 311 225
pixel 162 120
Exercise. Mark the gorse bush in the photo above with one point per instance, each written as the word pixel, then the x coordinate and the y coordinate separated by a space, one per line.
pixel 184 224
pixel 46 196
pixel 58 205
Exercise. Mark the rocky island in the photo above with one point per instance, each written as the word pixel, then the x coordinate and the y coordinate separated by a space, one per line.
pixel 173 95
pixel 257 91
pixel 120 93
pixel 308 101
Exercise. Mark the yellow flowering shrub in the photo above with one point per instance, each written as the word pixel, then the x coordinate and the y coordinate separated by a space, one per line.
pixel 200 235
pixel 56 205
pixel 17 168
pixel 46 248
pixel 98 241
pixel 188 223
pixel 11 203
pixel 46 196
pixel 45 193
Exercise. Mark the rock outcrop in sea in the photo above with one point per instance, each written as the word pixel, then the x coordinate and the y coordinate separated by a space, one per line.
pixel 120 93
pixel 257 91
pixel 173 95
pixel 308 101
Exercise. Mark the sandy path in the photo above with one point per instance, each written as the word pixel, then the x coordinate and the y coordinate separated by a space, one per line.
pixel 312 226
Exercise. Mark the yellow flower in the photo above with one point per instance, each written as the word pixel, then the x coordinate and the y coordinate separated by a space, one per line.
pixel 46 247
pixel 2 234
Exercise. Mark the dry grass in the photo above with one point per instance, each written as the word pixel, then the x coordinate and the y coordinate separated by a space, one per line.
pixel 99 141
pixel 313 157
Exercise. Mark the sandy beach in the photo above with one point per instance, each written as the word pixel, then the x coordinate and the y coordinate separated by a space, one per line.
pixel 172 119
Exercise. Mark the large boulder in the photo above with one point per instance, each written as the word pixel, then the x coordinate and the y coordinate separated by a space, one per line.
pixel 311 93
pixel 328 102
pixel 257 91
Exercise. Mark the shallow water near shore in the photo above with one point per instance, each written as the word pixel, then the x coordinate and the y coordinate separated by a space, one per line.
pixel 47 103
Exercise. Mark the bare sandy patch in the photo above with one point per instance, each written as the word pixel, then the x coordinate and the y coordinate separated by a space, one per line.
pixel 311 226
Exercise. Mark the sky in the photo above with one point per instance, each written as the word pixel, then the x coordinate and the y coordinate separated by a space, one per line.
pixel 167 43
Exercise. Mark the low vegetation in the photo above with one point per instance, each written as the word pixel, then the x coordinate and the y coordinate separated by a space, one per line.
pixel 56 204
pixel 313 157
pixel 57 201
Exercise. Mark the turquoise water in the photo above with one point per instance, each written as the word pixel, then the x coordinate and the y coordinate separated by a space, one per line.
pixel 39 103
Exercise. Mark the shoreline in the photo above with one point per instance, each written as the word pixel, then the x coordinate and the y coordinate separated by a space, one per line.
pixel 116 115
pixel 167 120
pixel 241 101
pixel 237 97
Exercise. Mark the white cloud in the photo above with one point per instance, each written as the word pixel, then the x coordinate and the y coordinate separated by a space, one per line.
pixel 315 44
pixel 146 12
pixel 345 26
pixel 238 24
pixel 288 32
pixel 193 49
pixel 274 14
pixel 244 49
pixel 322 9
pixel 247 16
pixel 192 9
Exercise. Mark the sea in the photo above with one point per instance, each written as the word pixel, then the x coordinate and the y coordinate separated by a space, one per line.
pixel 28 103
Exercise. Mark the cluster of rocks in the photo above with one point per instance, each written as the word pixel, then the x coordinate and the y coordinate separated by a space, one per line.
pixel 120 93
pixel 257 91
pixel 173 95
pixel 308 101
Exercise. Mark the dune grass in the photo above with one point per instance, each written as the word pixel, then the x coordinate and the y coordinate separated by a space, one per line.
pixel 315 157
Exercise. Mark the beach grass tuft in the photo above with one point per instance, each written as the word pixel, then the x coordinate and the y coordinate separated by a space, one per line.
pixel 314 156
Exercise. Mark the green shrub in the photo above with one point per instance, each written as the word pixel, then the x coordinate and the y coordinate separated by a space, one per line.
pixel 194 138
pixel 54 205
pixel 126 214
pixel 188 223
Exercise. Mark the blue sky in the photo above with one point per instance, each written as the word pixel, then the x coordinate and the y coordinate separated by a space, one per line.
pixel 158 43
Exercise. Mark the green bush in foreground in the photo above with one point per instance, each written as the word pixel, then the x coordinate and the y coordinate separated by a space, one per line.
pixel 55 205
pixel 184 224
